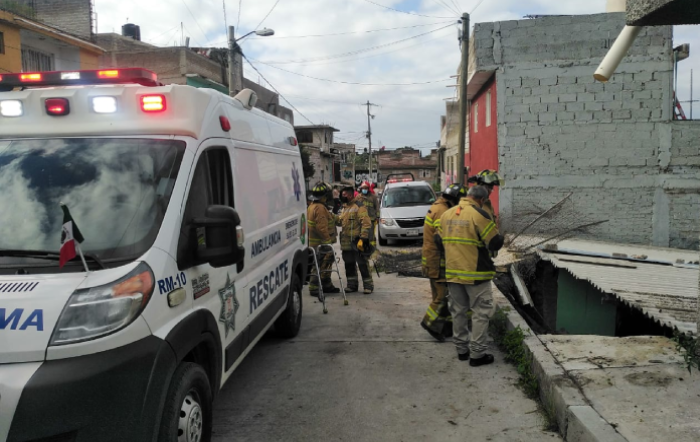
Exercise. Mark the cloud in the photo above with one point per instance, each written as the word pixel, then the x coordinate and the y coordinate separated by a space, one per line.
pixel 408 115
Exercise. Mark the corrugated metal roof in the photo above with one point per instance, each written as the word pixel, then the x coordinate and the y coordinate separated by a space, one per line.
pixel 665 292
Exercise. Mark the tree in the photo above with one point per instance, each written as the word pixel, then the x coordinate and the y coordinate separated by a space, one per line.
pixel 307 166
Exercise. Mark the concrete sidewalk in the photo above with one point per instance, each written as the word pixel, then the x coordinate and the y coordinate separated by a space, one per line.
pixel 368 372
pixel 607 389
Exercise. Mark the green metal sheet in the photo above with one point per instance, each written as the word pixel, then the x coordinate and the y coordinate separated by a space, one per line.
pixel 581 309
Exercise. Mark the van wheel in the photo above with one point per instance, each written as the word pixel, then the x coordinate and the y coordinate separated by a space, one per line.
pixel 382 241
pixel 187 416
pixel 288 324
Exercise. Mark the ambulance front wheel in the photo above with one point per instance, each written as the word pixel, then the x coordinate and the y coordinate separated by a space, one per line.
pixel 288 324
pixel 187 415
pixel 382 241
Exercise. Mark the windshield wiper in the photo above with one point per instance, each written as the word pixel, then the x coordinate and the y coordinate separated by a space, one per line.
pixel 47 254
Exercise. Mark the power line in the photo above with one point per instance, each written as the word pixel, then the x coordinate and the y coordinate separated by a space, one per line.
pixel 268 14
pixel 275 89
pixel 443 5
pixel 354 60
pixel 278 37
pixel 195 20
pixel 352 53
pixel 403 12
pixel 240 5
pixel 354 83
pixel 475 7
pixel 225 19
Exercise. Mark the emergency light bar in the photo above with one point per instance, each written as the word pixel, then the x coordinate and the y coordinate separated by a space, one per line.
pixel 140 76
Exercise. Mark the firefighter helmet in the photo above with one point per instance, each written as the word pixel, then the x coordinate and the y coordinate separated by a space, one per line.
pixel 454 193
pixel 488 177
pixel 319 191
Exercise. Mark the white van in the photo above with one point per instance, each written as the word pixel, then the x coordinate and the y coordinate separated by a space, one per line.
pixel 192 210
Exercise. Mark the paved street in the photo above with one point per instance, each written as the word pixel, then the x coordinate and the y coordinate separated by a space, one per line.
pixel 368 372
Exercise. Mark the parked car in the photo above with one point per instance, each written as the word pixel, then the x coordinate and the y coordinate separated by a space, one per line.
pixel 402 210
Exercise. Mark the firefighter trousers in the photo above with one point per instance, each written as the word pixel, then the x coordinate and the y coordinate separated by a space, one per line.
pixel 325 261
pixel 479 298
pixel 438 318
pixel 353 260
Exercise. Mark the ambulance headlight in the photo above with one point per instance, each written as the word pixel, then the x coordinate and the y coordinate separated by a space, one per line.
pixel 388 222
pixel 99 311
pixel 104 105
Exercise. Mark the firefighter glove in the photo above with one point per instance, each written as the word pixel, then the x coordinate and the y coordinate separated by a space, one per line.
pixel 360 246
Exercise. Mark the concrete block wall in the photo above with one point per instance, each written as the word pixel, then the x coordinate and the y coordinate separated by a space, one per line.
pixel 72 16
pixel 612 145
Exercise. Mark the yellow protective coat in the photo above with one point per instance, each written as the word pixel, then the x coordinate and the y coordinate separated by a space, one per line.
pixel 466 231
pixel 355 223
pixel 320 220
pixel 432 260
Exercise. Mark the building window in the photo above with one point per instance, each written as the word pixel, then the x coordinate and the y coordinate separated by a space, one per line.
pixel 2 42
pixel 36 61
pixel 488 108
pixel 305 137
pixel 476 117
pixel 425 173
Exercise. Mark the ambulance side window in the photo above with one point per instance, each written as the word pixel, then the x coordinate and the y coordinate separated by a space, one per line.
pixel 212 183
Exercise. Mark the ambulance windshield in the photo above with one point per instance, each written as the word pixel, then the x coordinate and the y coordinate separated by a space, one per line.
pixel 117 191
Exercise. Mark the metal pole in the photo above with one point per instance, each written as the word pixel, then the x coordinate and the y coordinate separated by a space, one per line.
pixel 232 65
pixel 691 94
pixel 369 136
pixel 463 126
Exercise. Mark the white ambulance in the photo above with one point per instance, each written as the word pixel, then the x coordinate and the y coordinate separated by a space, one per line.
pixel 191 207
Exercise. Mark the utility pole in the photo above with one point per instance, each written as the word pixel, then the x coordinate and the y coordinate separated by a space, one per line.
pixel 369 137
pixel 463 78
pixel 233 68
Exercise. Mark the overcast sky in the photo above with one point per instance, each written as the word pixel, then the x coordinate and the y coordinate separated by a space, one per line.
pixel 423 50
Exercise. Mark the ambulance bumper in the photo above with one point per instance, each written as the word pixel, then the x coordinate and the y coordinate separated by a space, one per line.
pixel 116 395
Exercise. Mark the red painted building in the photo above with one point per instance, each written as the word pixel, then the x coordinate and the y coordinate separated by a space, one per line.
pixel 483 133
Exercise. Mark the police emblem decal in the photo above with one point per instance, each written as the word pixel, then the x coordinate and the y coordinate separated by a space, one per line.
pixel 229 305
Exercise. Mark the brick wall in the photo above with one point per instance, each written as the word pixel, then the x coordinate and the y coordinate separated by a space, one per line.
pixel 72 16
pixel 612 145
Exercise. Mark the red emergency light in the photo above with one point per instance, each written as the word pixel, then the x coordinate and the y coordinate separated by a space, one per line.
pixel 57 106
pixel 140 76
pixel 153 103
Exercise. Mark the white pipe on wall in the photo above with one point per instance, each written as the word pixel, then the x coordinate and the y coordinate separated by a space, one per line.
pixel 617 52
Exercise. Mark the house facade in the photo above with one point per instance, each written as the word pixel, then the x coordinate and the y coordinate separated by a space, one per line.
pixel 408 161
pixel 27 45
pixel 183 65
pixel 318 141
pixel 612 151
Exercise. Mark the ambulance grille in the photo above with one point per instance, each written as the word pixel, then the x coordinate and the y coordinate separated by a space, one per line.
pixel 17 287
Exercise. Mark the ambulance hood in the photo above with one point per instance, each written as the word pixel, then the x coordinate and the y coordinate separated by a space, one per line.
pixel 29 309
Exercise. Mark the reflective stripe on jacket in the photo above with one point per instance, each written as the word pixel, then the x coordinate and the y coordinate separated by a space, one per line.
pixel 466 231
pixel 355 223
pixel 432 259
pixel 319 220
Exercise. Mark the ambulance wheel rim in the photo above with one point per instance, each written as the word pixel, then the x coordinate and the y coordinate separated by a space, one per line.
pixel 191 424
pixel 296 302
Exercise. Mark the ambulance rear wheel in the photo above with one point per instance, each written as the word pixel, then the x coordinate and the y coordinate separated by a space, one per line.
pixel 288 324
pixel 187 416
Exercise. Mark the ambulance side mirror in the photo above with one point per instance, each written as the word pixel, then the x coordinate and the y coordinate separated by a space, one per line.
pixel 222 230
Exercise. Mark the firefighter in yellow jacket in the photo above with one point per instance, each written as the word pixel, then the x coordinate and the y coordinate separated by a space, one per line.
pixel 355 241
pixel 437 320
pixel 322 236
pixel 467 233
pixel 489 179
pixel 371 202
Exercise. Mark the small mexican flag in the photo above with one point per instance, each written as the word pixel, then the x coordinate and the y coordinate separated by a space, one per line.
pixel 70 235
